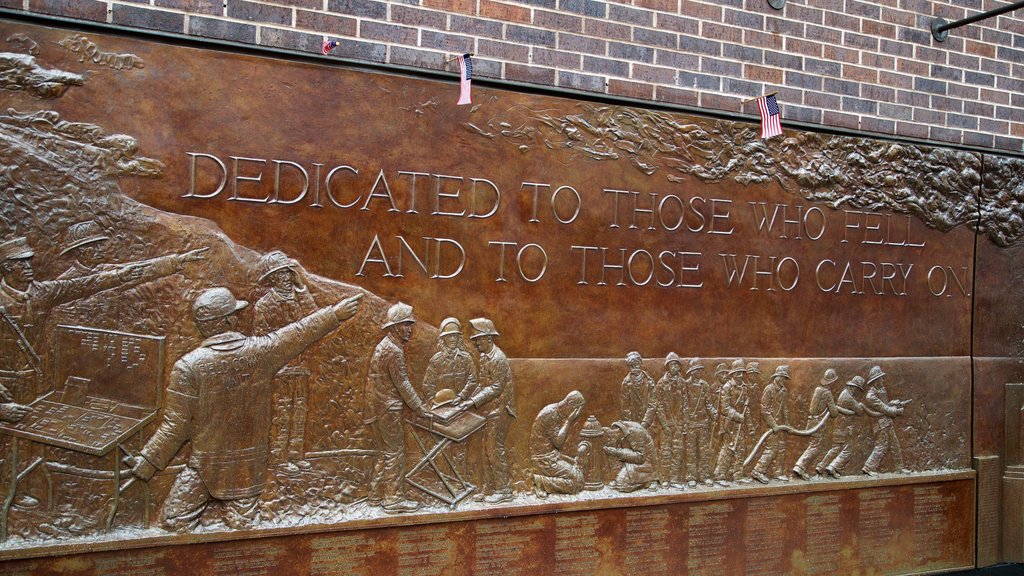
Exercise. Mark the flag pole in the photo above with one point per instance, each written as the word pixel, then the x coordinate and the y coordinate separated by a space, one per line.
pixel 749 100
pixel 453 58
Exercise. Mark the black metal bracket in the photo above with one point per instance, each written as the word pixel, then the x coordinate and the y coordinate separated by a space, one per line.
pixel 940 27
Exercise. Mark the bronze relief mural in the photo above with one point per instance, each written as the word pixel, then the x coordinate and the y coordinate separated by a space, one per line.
pixel 244 296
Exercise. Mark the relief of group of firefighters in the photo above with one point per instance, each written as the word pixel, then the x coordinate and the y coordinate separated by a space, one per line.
pixel 683 430
pixel 677 432
pixel 223 395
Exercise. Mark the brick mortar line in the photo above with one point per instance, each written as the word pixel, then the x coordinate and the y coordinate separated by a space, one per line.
pixel 607 2
pixel 860 52
pixel 633 28
pixel 878 83
pixel 280 4
pixel 889 71
pixel 476 38
pixel 631 75
pixel 862 19
pixel 653 27
pixel 224 10
pixel 657 18
pixel 151 8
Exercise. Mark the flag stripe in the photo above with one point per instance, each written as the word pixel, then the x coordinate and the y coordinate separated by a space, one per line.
pixel 465 79
pixel 768 108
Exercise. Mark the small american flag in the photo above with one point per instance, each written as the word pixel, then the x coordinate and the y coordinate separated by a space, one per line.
pixel 769 110
pixel 328 45
pixel 465 78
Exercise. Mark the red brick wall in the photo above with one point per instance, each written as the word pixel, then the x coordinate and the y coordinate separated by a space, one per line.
pixel 871 66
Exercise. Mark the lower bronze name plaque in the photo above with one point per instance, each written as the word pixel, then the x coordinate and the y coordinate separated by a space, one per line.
pixel 771 533
pixel 263 315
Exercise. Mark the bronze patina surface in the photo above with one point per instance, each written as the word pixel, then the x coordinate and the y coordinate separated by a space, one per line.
pixel 998 345
pixel 264 313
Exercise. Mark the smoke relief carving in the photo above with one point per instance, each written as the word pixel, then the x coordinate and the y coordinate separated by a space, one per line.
pixel 23 41
pixel 86 49
pixel 1002 200
pixel 21 72
pixel 933 184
